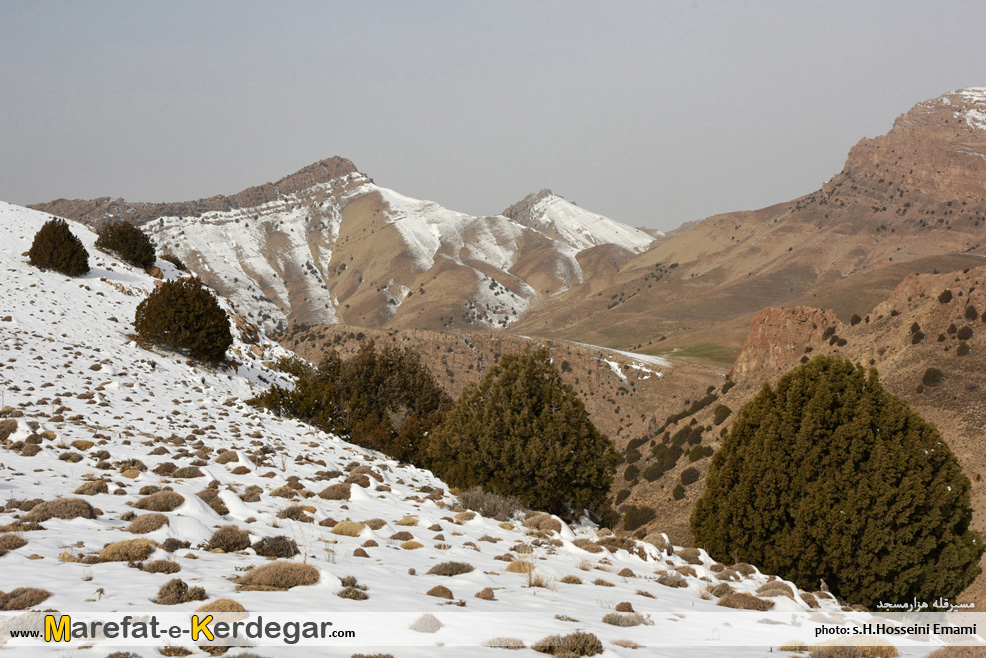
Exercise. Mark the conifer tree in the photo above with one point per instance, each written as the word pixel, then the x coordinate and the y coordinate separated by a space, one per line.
pixel 522 431
pixel 128 242
pixel 183 315
pixel 55 247
pixel 828 476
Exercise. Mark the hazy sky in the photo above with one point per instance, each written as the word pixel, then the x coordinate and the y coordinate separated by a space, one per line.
pixel 651 113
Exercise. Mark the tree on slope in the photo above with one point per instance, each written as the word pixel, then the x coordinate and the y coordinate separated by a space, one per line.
pixel 828 476
pixel 55 247
pixel 522 431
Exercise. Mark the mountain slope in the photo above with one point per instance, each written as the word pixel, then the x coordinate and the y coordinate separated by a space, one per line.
pixel 327 245
pixel 903 202
pixel 89 411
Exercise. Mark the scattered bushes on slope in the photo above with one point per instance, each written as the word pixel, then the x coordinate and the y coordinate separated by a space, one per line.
pixel 386 400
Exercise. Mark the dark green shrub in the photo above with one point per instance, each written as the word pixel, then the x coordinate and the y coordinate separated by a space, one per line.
pixel 728 384
pixel 963 349
pixel 679 492
pixel 651 473
pixel 55 247
pixel 622 495
pixel 184 316
pixel 631 456
pixel 721 413
pixel 174 260
pixel 945 296
pixel 688 476
pixel 971 314
pixel 699 452
pixel 892 526
pixel 932 377
pixel 915 328
pixel 128 242
pixel 631 472
pixel 917 337
pixel 523 431
pixel 635 516
pixel 855 319
pixel 386 400
pixel 965 333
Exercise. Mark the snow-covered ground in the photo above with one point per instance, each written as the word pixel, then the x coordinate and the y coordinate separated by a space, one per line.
pixel 583 229
pixel 100 408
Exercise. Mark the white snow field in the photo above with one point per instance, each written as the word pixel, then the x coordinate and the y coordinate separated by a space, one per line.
pixel 86 404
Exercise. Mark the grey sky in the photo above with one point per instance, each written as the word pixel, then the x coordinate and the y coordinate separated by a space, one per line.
pixel 652 113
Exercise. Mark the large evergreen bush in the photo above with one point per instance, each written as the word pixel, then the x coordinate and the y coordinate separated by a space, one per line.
pixel 56 248
pixel 183 315
pixel 386 400
pixel 522 431
pixel 828 476
pixel 128 242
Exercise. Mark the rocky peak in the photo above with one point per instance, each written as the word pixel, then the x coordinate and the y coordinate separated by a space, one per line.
pixel 778 337
pixel 523 211
pixel 96 212
pixel 936 148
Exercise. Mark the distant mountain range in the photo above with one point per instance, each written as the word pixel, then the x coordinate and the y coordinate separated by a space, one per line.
pixel 328 245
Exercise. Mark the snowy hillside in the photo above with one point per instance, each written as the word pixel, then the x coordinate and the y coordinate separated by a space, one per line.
pixel 579 228
pixel 326 245
pixel 90 415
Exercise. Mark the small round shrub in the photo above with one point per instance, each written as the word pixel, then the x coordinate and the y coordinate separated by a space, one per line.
pixel 147 523
pixel 55 247
pixel 965 333
pixel 450 569
pixel 932 377
pixel 162 501
pixel 229 539
pixel 279 546
pixel 280 575
pixel 177 591
pixel 963 349
pixel 679 492
pixel 184 316
pixel 61 508
pixel 945 296
pixel 689 475
pixel 128 242
pixel 635 516
pixel 22 598
pixel 579 644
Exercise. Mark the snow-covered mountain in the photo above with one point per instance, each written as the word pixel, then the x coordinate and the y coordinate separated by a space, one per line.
pixel 328 245
pixel 549 213
pixel 98 424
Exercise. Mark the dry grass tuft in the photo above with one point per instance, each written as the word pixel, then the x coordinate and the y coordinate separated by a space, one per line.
pixel 161 566
pixel 22 598
pixel 348 528
pixel 440 591
pixel 520 566
pixel 279 546
pixel 375 524
pixel 229 539
pixel 280 575
pixel 543 523
pixel 571 580
pixel 92 488
pixel 146 523
pixel 338 491
pixel 629 619
pixel 450 569
pixel 411 545
pixel 11 542
pixel 176 591
pixel 129 550
pixel 578 644
pixel 222 605
pixel 486 594
pixel 408 521
pixel 775 588
pixel 162 501
pixel 61 508
pixel 504 643
pixel 744 601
